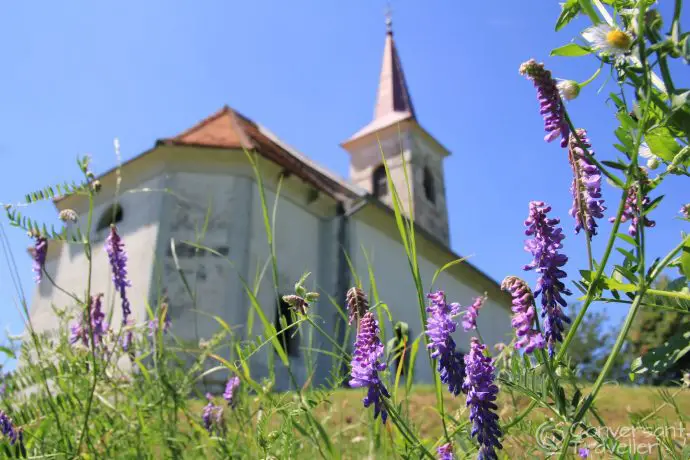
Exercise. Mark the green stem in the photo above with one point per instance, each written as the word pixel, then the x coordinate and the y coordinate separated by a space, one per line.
pixel 595 281
pixel 589 156
pixel 592 78
pixel 604 372
pixel 89 256
pixel 671 294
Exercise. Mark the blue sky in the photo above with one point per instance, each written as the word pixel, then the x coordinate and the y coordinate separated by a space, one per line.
pixel 78 74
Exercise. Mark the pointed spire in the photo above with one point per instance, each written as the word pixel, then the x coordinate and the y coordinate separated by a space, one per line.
pixel 393 95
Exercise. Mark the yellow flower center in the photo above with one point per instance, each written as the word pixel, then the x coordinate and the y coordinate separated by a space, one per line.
pixel 618 39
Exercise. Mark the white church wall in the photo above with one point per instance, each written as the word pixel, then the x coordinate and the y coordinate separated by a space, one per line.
pixel 396 288
pixel 139 229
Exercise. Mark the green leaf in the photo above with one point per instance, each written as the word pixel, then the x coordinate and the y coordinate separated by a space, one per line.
pixel 627 238
pixel 662 143
pixel 570 50
pixel 685 260
pixel 571 8
pixel 661 358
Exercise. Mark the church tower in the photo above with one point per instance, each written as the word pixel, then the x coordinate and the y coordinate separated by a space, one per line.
pixel 396 132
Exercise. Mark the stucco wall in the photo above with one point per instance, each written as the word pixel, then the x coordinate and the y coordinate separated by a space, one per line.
pixel 139 229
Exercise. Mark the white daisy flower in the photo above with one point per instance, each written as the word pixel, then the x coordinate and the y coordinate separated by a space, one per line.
pixel 569 89
pixel 608 40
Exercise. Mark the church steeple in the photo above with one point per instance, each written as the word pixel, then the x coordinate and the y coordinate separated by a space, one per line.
pixel 393 94
pixel 412 154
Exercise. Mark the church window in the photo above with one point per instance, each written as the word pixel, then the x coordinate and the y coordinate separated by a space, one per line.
pixel 429 186
pixel 110 216
pixel 285 317
pixel 379 182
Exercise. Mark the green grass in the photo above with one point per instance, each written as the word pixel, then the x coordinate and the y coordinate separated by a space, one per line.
pixel 351 430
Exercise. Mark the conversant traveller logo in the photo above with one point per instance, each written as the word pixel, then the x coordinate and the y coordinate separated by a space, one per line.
pixel 612 440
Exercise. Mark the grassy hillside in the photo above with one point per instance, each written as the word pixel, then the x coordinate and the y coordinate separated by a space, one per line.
pixel 623 408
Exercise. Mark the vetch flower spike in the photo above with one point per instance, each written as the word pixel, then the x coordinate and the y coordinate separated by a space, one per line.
pixel 586 186
pixel 550 103
pixel 366 365
pixel 7 428
pixel 99 327
pixel 357 304
pixel 439 327
pixel 547 263
pixel 39 253
pixel 445 452
pixel 118 264
pixel 481 394
pixel 469 321
pixel 523 314
pixel 632 211
pixel 231 387
pixel 212 416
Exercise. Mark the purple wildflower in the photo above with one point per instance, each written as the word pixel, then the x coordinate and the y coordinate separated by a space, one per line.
pixel 481 394
pixel 439 327
pixel 7 428
pixel 118 263
pixel 212 415
pixel 685 211
pixel 80 329
pixel 547 263
pixel 551 105
pixel 153 326
pixel 587 202
pixel 357 304
pixel 366 365
pixel 583 452
pixel 39 253
pixel 632 211
pixel 445 452
pixel 230 388
pixel 470 319
pixel 523 314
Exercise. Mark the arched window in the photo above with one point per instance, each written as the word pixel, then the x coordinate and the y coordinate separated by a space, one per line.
pixel 112 215
pixel 288 338
pixel 379 182
pixel 429 186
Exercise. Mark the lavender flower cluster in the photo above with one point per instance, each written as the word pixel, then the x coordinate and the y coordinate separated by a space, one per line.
pixel 586 186
pixel 548 263
pixel 99 327
pixel 523 314
pixel 366 365
pixel 212 415
pixel 632 212
pixel 551 105
pixel 39 252
pixel 8 430
pixel 118 264
pixel 481 396
pixel 440 326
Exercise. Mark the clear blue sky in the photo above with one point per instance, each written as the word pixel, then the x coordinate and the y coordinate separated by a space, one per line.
pixel 78 74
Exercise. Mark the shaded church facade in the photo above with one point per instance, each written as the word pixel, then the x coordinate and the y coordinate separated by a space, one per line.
pixel 199 189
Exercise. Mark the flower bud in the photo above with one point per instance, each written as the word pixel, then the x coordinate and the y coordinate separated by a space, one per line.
pixel 569 89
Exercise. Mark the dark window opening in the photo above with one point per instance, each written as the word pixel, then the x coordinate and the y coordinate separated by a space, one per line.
pixel 429 186
pixel 379 182
pixel 399 348
pixel 288 337
pixel 112 215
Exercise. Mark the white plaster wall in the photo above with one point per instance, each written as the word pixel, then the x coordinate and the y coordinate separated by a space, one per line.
pixel 298 235
pixel 396 288
pixel 138 229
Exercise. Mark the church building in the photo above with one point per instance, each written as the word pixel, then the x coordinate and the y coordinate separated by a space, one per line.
pixel 198 188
